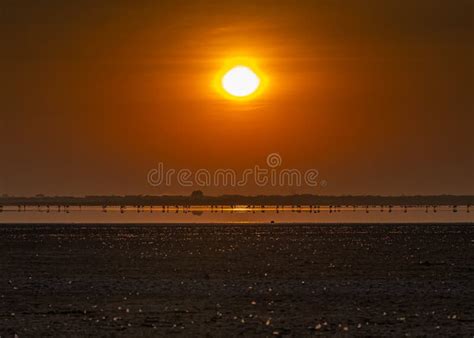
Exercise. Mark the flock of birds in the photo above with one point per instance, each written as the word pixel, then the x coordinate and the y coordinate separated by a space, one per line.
pixel 248 208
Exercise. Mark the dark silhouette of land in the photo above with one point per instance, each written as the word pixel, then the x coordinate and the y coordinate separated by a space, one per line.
pixel 198 198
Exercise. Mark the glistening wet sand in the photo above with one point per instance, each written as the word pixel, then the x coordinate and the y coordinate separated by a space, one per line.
pixel 216 280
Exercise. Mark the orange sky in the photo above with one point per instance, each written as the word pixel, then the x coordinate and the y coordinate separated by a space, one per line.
pixel 375 95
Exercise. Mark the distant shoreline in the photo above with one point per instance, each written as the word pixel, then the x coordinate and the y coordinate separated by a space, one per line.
pixel 232 200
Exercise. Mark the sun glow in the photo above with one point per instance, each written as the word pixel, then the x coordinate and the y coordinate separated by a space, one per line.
pixel 240 81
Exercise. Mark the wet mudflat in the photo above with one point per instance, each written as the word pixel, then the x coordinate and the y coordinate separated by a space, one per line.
pixel 236 279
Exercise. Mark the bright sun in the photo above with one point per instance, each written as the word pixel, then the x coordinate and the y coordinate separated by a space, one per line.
pixel 240 81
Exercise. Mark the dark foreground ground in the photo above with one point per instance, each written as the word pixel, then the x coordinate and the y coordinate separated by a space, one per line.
pixel 230 280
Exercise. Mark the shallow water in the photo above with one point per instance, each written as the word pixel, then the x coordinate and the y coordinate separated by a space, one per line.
pixel 236 279
pixel 196 214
